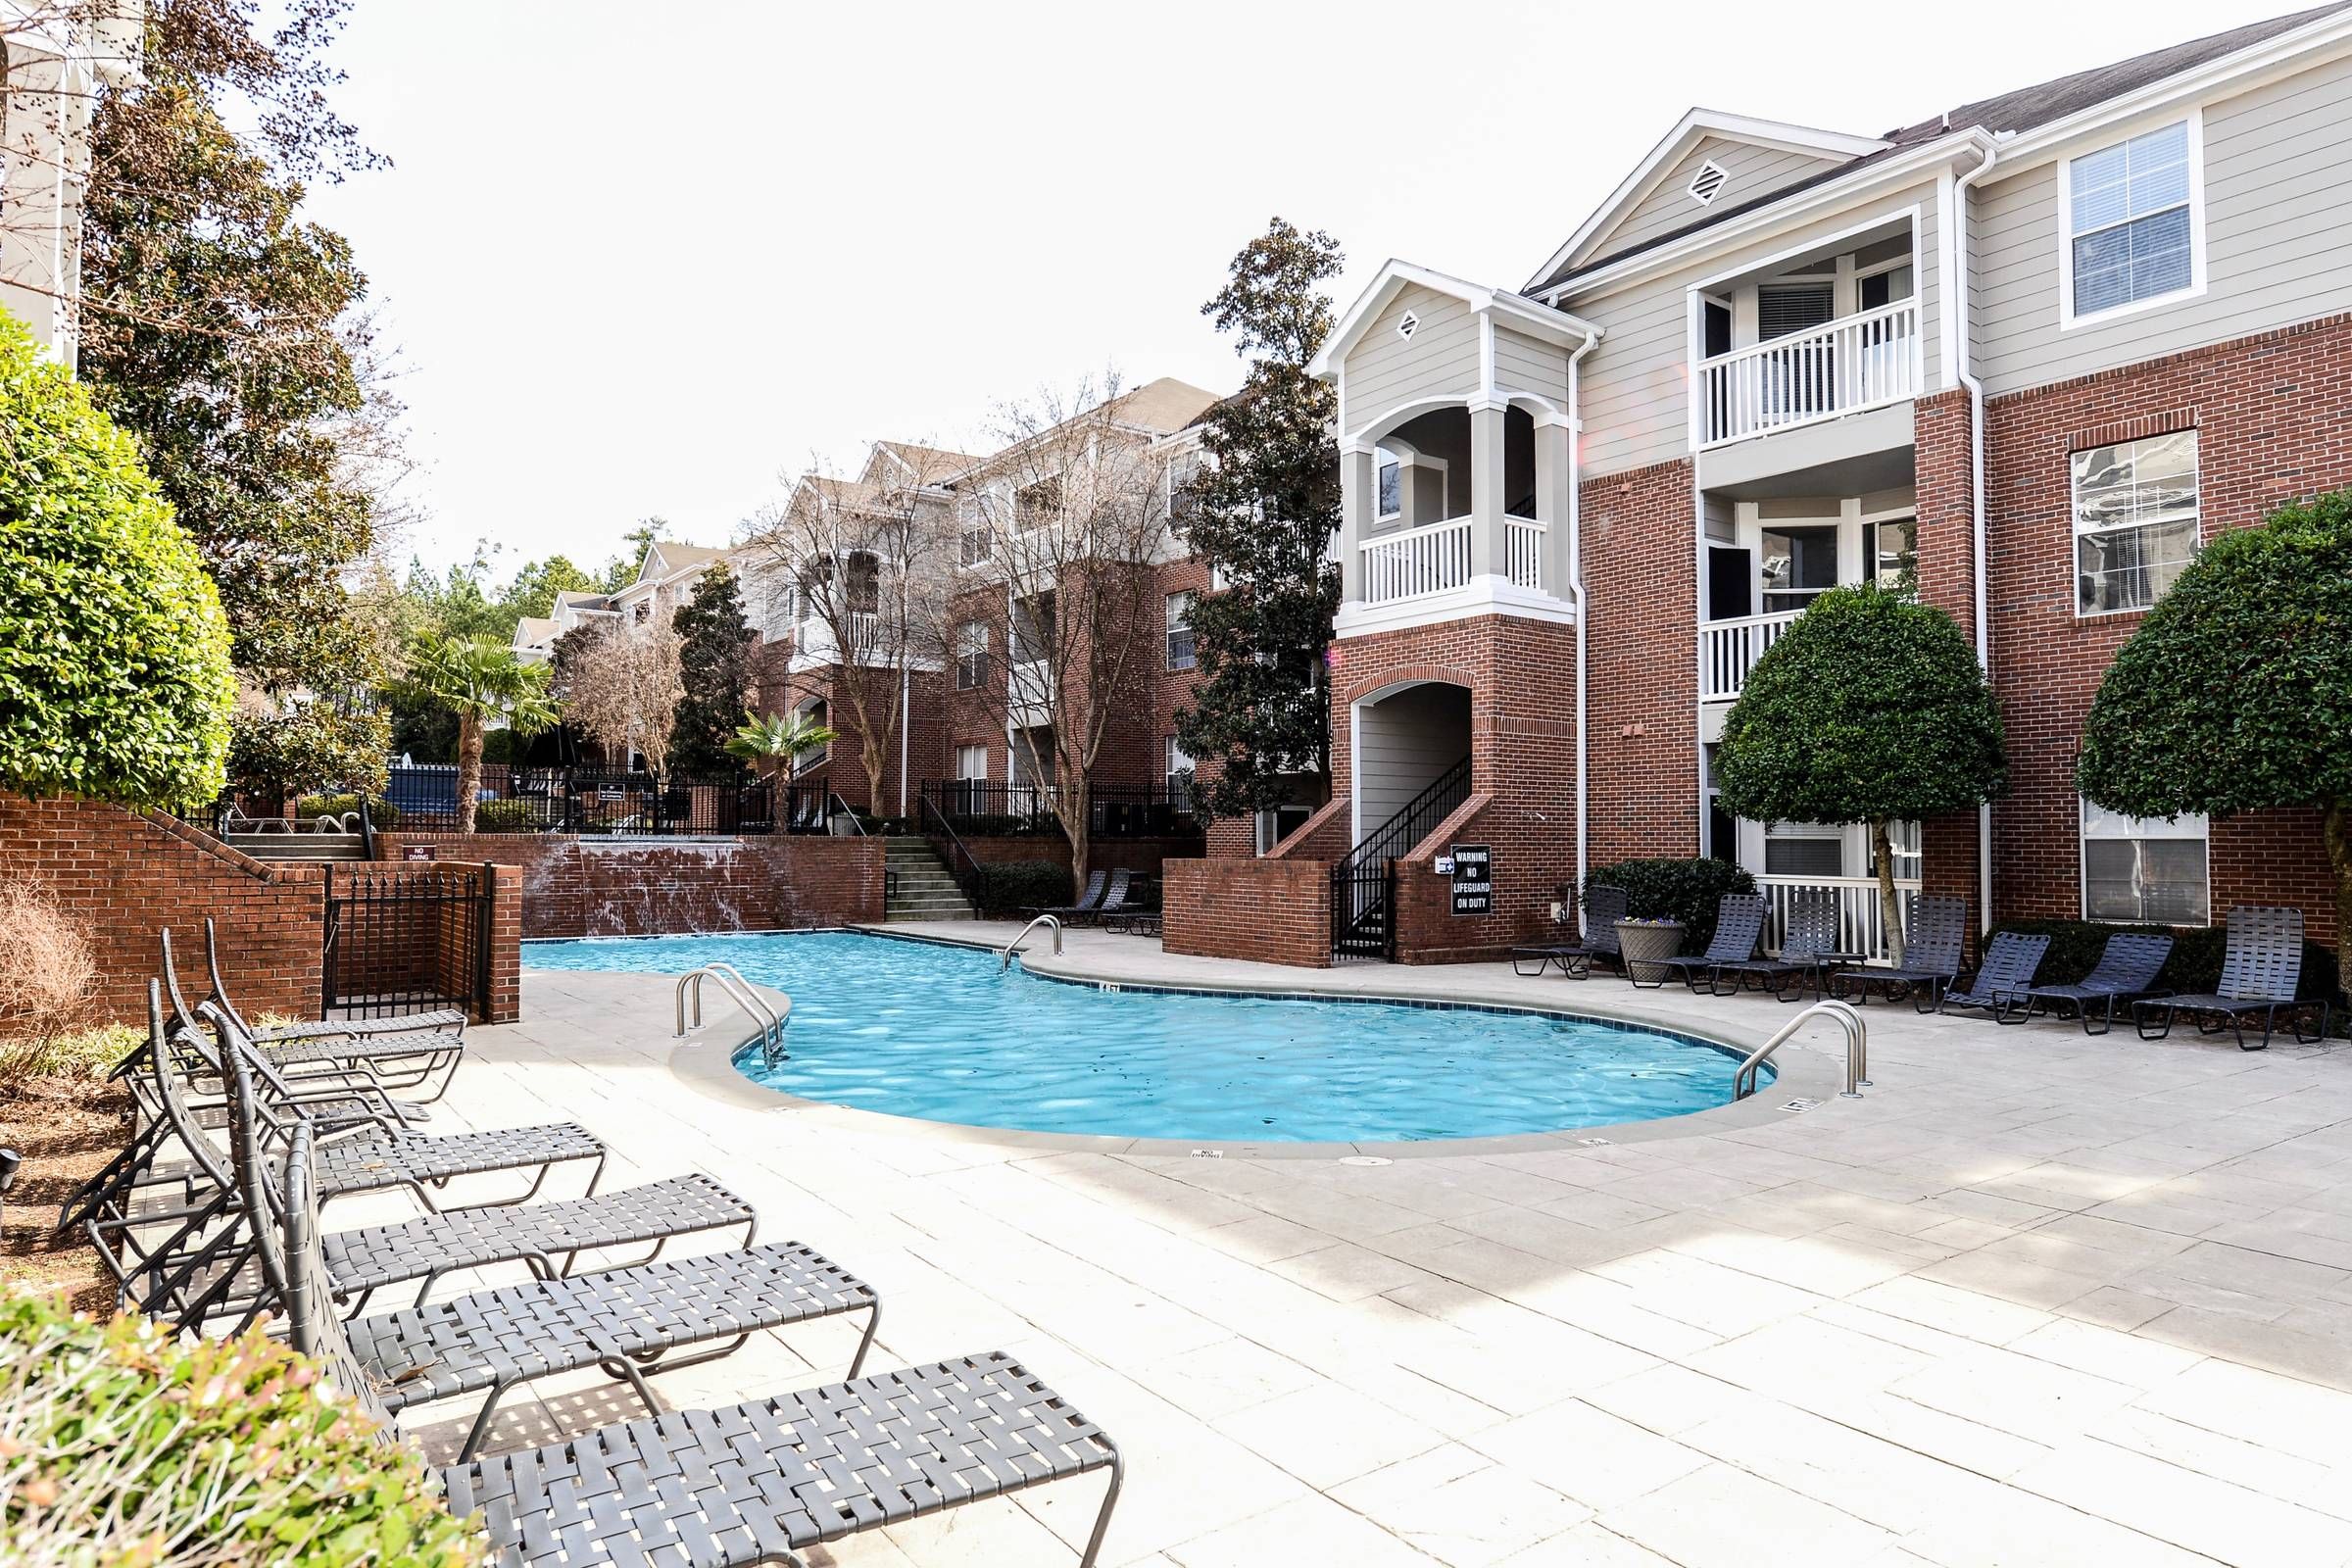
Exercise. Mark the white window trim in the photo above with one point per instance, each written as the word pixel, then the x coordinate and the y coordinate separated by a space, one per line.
pixel 981 777
pixel 2067 319
pixel 2074 526
pixel 2083 859
pixel 1381 458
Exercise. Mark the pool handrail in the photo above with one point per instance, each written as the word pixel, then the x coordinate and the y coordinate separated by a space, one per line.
pixel 1857 1050
pixel 731 981
pixel 1004 953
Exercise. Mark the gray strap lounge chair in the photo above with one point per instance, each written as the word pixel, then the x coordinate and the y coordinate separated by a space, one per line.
pixel 626 1321
pixel 2127 970
pixel 1739 927
pixel 2010 959
pixel 1087 901
pixel 1114 898
pixel 753 1482
pixel 1604 906
pixel 2261 972
pixel 1806 948
pixel 1931 958
pixel 406 1053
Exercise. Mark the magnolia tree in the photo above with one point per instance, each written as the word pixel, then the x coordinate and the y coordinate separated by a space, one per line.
pixel 1871 708
pixel 621 689
pixel 2235 693
pixel 1056 598
pixel 859 571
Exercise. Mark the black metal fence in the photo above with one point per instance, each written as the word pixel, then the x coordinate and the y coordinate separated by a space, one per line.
pixel 1364 881
pixel 623 802
pixel 412 939
pixel 987 808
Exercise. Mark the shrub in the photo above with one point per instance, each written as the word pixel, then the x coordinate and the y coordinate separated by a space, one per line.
pixel 380 811
pixel 48 969
pixel 86 1055
pixel 1688 891
pixel 504 817
pixel 1019 885
pixel 114 678
pixel 2195 965
pixel 120 1444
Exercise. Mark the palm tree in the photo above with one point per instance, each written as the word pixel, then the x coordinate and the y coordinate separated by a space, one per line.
pixel 778 737
pixel 481 681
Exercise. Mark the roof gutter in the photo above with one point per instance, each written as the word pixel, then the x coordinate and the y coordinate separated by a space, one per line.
pixel 1957 273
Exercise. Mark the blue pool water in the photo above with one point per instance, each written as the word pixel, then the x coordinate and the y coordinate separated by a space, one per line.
pixel 918 1029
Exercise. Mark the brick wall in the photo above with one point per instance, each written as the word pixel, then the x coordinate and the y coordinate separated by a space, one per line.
pixel 573 887
pixel 2273 421
pixel 130 874
pixel 1269 911
pixel 1643 746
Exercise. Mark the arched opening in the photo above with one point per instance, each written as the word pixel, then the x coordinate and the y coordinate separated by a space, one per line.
pixel 1407 738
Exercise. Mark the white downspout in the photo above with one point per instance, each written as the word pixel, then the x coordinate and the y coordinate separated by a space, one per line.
pixel 1957 277
pixel 1576 591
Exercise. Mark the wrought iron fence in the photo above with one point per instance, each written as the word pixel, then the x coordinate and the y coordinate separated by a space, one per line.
pixel 989 807
pixel 616 802
pixel 406 939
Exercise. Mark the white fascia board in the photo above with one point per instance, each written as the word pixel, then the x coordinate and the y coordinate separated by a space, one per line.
pixel 1691 130
pixel 1799 207
pixel 1393 277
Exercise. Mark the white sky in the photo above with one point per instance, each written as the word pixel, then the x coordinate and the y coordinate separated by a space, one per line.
pixel 639 258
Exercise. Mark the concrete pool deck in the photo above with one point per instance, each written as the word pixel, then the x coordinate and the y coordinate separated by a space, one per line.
pixel 2035 1298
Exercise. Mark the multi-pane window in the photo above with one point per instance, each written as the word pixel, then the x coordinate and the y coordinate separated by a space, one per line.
pixel 1798 563
pixel 971 761
pixel 1182 654
pixel 2143 869
pixel 1185 472
pixel 1032 628
pixel 971 656
pixel 2129 221
pixel 1894 555
pixel 2135 520
pixel 1180 776
pixel 1392 488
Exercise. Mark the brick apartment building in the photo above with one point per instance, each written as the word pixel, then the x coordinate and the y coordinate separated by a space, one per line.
pixel 2018 356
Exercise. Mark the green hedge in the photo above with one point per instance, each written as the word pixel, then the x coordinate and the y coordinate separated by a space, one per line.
pixel 1019 885
pixel 1688 891
pixel 381 813
pixel 120 1444
pixel 115 679
pixel 2195 965
pixel 504 816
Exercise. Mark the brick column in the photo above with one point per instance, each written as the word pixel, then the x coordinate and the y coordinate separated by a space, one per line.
pixel 506 943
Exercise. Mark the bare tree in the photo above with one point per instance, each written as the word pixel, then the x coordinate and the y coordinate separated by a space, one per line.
pixel 1057 597
pixel 859 571
pixel 621 689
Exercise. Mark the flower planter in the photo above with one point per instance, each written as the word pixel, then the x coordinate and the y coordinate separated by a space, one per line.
pixel 1644 944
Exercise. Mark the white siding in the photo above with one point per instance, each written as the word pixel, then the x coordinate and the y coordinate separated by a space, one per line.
pixel 2277 224
pixel 1404 744
pixel 1753 172
pixel 1441 358
pixel 1524 364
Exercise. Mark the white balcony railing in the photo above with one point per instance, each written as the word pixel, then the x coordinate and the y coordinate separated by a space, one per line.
pixel 1856 361
pixel 1435 556
pixel 1729 649
pixel 1859 926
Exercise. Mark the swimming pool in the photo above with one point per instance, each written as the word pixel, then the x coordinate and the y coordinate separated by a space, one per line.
pixel 922 1029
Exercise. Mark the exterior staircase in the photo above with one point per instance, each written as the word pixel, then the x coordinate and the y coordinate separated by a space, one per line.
pixel 922 888
pixel 307 847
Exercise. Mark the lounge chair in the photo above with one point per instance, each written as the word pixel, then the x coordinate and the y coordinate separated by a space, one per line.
pixel 2262 969
pixel 2010 959
pixel 1604 906
pixel 1087 901
pixel 752 1483
pixel 1806 948
pixel 1931 956
pixel 1114 898
pixel 1739 927
pixel 2127 970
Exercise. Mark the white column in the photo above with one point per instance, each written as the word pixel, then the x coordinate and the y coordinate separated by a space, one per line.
pixel 1486 490
pixel 1551 504
pixel 1357 496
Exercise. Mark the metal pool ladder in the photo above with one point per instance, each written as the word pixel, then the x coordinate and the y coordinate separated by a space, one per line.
pixel 1005 953
pixel 771 1023
pixel 1857 1050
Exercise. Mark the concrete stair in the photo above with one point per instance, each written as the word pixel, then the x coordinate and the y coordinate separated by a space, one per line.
pixel 921 886
pixel 304 847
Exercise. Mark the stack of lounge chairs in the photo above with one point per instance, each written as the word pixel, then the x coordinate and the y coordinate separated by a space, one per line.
pixel 210 1218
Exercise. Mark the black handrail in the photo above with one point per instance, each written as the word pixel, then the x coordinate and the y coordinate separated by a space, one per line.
pixel 366 828
pixel 1414 822
pixel 970 877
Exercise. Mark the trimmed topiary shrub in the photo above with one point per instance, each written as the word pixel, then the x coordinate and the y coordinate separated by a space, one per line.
pixel 503 817
pixel 121 1444
pixel 2195 965
pixel 1688 891
pixel 1019 885
pixel 114 678
pixel 380 811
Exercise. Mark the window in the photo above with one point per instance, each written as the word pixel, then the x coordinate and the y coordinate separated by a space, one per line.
pixel 1804 848
pixel 1894 555
pixel 1032 628
pixel 2143 869
pixel 971 656
pixel 1036 504
pixel 974 542
pixel 2135 520
pixel 1799 563
pixel 1877 290
pixel 1182 655
pixel 2131 222
pixel 968 793
pixel 1392 489
pixel 971 761
pixel 1186 470
pixel 1180 776
pixel 863 588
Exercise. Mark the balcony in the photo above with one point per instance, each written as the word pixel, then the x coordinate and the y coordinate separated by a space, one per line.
pixel 1860 929
pixel 1435 558
pixel 1729 649
pixel 1859 362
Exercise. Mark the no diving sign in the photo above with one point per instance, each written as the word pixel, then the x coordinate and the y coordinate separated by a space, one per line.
pixel 1473 879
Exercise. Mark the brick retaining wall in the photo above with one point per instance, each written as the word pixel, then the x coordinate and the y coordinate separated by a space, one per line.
pixel 1270 912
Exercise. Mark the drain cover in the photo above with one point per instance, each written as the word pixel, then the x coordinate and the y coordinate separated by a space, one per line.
pixel 1593 1142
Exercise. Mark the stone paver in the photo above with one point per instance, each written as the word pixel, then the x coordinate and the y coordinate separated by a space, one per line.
pixel 2034 1299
